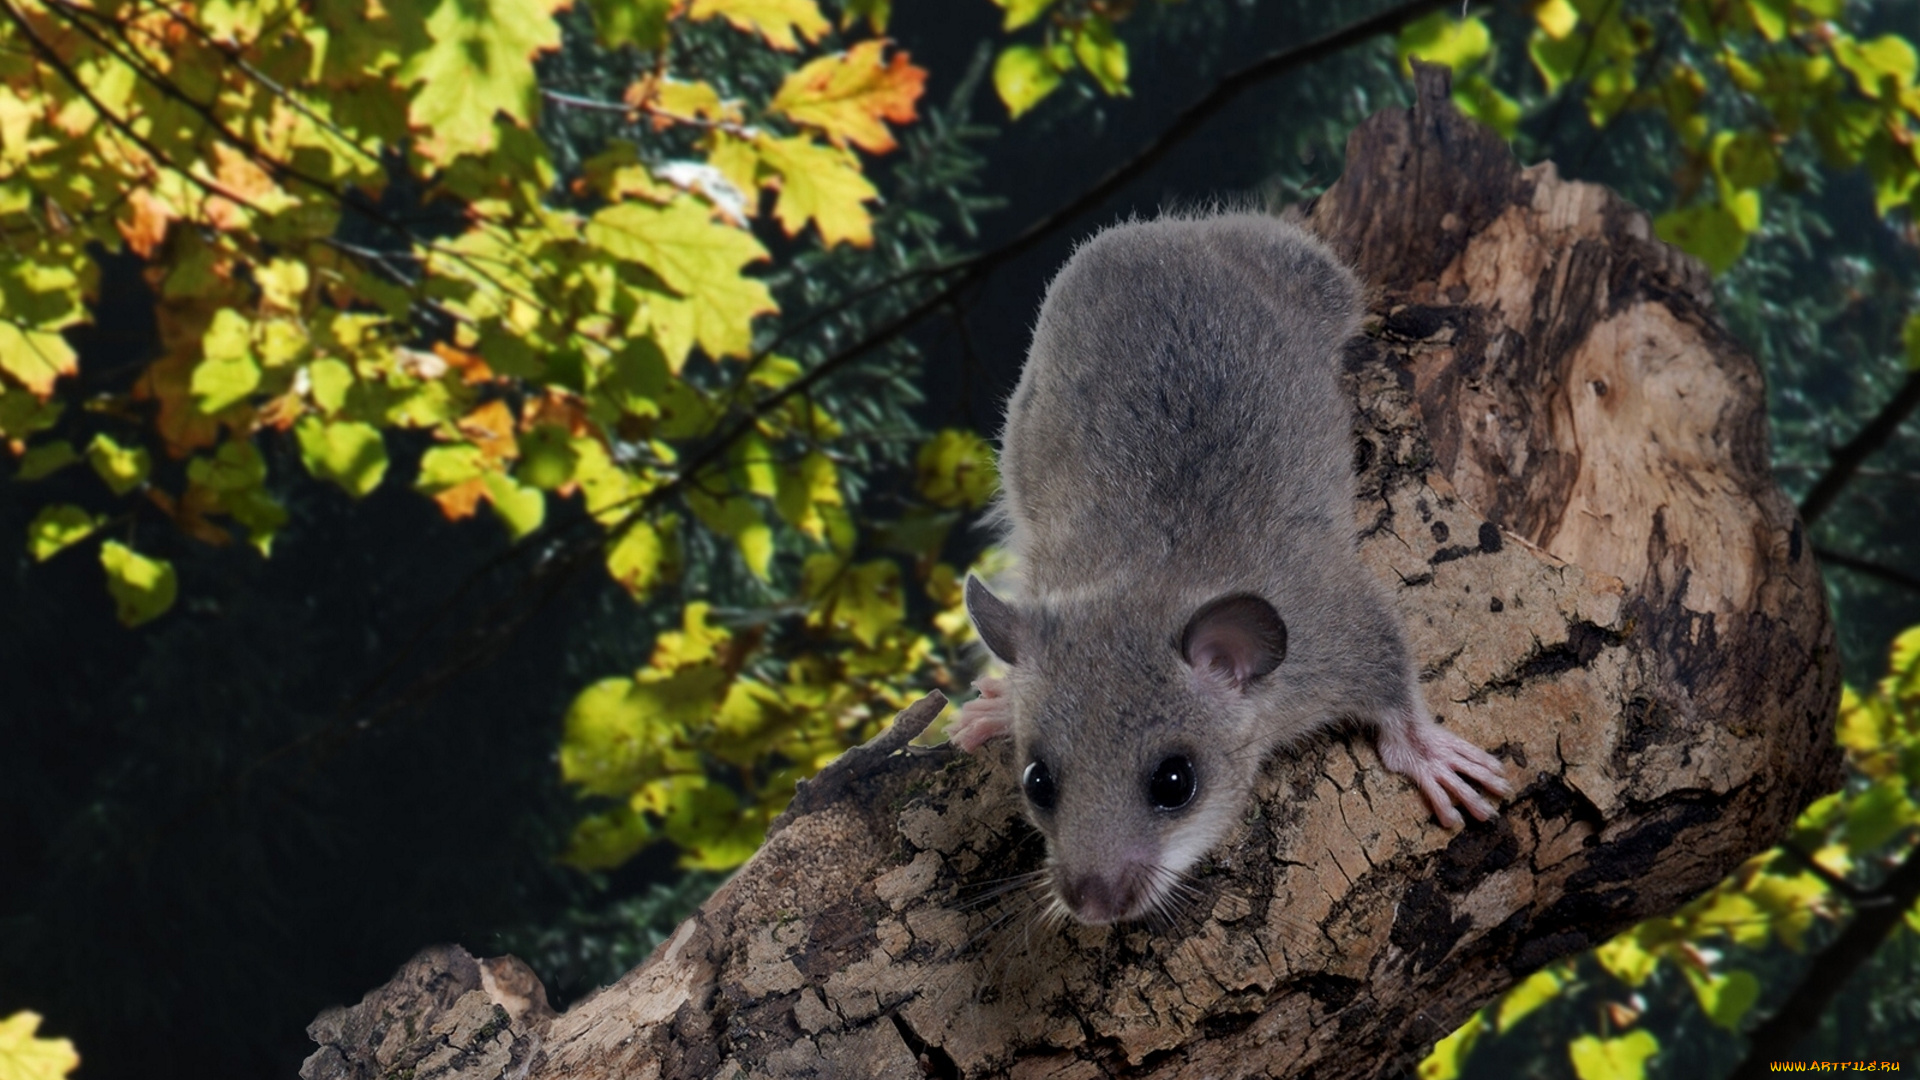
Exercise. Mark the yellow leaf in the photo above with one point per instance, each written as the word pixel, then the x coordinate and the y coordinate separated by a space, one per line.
pixel 696 642
pixel 776 20
pixel 634 559
pixel 480 64
pixel 1557 18
pixel 1539 988
pixel 847 96
pixel 696 258
pixel 25 1056
pixel 34 354
pixel 283 282
pixel 1624 1058
pixel 1449 1056
pixel 865 600
pixel 821 184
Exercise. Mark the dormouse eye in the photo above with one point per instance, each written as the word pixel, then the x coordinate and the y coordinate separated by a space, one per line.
pixel 1172 784
pixel 1037 782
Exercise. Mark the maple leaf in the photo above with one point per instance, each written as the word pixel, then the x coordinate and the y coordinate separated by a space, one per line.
pixel 775 20
pixel 144 225
pixel 822 184
pixel 847 96
pixel 480 63
pixel 28 1057
pixel 699 260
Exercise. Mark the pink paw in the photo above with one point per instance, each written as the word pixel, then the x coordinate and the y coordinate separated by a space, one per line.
pixel 1444 766
pixel 986 717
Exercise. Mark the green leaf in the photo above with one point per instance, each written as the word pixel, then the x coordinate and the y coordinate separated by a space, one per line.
pixel 1910 337
pixel 738 518
pixel 521 509
pixel 45 460
pixel 142 588
pixel 330 380
pixel 56 528
pixel 1624 1058
pixel 547 457
pixel 1023 76
pixel 22 414
pixel 122 468
pixel 1022 12
pixel 1726 999
pixel 1102 53
pixel 1882 67
pixel 1878 814
pixel 227 371
pixel 605 840
pixel 1708 232
pixel 1440 38
pixel 640 23
pixel 1539 988
pixel 1745 160
pixel 350 454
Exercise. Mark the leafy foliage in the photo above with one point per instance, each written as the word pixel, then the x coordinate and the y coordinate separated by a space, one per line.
pixel 572 347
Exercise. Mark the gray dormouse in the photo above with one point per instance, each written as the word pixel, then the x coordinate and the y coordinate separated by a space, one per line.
pixel 1177 490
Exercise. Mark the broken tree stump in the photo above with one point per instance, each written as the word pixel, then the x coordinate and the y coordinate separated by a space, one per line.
pixel 1563 463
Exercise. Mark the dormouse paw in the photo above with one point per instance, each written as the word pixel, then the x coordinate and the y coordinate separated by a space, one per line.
pixel 986 717
pixel 1444 766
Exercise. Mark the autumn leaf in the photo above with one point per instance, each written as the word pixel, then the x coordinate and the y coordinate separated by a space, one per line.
pixel 480 64
pixel 847 96
pixel 25 1056
pixel 142 588
pixel 698 259
pixel 144 222
pixel 776 20
pixel 821 184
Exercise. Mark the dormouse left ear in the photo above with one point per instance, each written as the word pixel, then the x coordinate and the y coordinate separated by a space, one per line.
pixel 1238 638
pixel 995 619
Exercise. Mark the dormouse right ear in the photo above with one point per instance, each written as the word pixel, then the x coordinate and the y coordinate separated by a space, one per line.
pixel 995 619
pixel 1236 638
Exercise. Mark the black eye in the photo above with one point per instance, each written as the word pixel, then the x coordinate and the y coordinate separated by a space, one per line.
pixel 1172 785
pixel 1038 784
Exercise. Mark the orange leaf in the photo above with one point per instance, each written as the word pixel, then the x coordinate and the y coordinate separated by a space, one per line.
pixel 561 410
pixel 849 95
pixel 169 381
pixel 491 428
pixel 473 370
pixel 146 226
pixel 462 499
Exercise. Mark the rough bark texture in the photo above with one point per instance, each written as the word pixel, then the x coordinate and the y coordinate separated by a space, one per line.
pixel 1564 470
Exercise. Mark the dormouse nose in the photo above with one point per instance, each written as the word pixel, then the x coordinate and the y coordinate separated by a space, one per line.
pixel 1097 898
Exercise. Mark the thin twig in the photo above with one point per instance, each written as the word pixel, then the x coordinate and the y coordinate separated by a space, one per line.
pixel 1871 569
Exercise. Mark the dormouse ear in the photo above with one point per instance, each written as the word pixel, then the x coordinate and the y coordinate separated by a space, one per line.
pixel 995 619
pixel 1239 637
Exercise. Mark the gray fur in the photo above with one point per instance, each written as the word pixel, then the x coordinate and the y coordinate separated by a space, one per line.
pixel 1179 434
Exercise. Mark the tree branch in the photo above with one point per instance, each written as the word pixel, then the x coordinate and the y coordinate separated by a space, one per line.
pixel 1871 569
pixel 1847 459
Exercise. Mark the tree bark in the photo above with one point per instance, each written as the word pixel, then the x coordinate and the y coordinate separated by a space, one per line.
pixel 1563 463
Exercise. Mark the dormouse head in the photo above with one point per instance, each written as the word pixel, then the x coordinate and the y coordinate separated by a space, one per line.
pixel 1136 733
